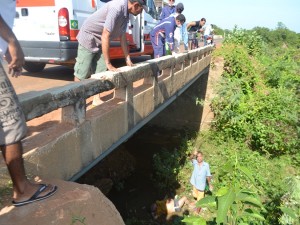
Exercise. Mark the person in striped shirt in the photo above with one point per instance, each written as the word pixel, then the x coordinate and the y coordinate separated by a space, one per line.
pixel 107 23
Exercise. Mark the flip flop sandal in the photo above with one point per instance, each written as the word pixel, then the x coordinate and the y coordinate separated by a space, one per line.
pixel 35 198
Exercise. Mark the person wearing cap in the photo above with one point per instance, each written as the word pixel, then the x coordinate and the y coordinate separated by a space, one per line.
pixel 107 23
pixel 180 33
pixel 162 35
pixel 168 10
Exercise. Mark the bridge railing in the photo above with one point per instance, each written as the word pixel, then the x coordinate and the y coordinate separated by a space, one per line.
pixel 72 96
pixel 85 136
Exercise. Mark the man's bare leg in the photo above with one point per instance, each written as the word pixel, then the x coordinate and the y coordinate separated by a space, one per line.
pixel 23 189
pixel 182 201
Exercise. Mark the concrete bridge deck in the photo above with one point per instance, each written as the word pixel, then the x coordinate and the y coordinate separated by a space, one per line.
pixel 80 138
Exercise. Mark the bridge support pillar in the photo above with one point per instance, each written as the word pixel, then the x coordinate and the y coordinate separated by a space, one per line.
pixel 74 114
pixel 184 112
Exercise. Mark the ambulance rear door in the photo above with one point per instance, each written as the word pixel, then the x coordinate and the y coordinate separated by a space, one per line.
pixel 36 21
pixel 47 30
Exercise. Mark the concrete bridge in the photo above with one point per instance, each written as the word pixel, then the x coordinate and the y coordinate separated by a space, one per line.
pixel 75 137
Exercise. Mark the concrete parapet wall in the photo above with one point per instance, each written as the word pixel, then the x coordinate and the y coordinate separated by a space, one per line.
pixel 88 136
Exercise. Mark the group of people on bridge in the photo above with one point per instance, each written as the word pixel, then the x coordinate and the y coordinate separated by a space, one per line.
pixel 172 29
pixel 110 21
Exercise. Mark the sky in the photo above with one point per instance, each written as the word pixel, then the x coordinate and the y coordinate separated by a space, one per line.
pixel 244 13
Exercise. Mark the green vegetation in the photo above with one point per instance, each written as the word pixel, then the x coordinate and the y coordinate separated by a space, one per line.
pixel 218 30
pixel 5 190
pixel 253 144
pixel 79 219
pixel 280 37
pixel 260 95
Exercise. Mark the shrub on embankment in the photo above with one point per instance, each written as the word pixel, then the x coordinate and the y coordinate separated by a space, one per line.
pixel 258 96
pixel 253 145
pixel 256 127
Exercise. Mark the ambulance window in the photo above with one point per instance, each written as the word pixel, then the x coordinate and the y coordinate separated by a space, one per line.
pixel 105 1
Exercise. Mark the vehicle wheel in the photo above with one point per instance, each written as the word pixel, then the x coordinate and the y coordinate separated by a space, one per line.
pixel 34 67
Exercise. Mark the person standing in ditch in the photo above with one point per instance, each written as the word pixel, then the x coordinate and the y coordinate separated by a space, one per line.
pixel 12 121
pixel 201 174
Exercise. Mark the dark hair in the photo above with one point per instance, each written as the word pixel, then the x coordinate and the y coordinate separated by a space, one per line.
pixel 199 152
pixel 142 2
pixel 179 8
pixel 203 19
pixel 181 18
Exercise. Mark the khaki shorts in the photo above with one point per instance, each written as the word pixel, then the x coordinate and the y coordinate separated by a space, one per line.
pixel 12 121
pixel 88 63
pixel 198 194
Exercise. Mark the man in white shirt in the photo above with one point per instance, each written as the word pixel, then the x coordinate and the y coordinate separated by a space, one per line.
pixel 208 33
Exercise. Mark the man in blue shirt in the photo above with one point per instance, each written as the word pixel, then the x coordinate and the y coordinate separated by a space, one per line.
pixel 163 34
pixel 167 10
pixel 200 175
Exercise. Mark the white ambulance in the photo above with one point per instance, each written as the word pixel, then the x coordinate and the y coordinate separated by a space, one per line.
pixel 47 30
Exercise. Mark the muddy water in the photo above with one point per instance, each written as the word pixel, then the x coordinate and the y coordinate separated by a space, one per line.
pixel 130 169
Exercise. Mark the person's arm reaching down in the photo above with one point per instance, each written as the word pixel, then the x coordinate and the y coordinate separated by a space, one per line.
pixel 105 49
pixel 125 50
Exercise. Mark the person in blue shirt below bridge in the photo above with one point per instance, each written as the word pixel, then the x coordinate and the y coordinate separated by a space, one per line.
pixel 200 176
pixel 168 10
pixel 163 34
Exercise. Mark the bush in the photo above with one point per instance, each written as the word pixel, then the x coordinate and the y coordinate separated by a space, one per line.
pixel 257 101
pixel 249 39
